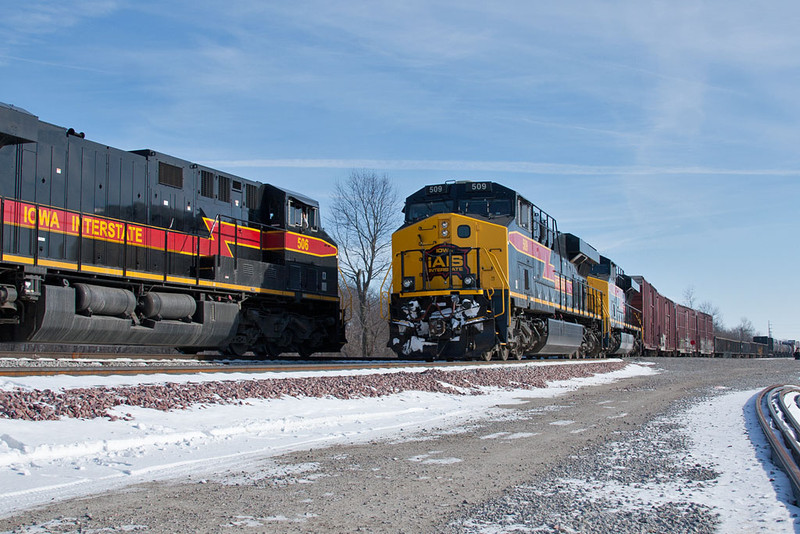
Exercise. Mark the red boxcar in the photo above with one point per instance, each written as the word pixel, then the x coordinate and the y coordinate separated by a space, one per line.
pixel 646 300
pixel 705 331
pixel 688 341
pixel 668 328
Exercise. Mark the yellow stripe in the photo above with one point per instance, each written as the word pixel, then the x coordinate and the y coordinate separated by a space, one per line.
pixel 180 280
pixel 101 270
pixel 18 259
pixel 58 264
pixel 145 276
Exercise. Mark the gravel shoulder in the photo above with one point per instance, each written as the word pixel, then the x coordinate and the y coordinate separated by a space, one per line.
pixel 448 479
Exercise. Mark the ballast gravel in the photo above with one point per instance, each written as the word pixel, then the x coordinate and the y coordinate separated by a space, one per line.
pixel 87 403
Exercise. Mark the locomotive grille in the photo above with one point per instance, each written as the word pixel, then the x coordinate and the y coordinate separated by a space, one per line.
pixel 207 184
pixel 224 189
pixel 251 195
pixel 170 175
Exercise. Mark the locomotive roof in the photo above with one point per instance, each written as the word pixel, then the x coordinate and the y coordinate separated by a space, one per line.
pixel 15 108
pixel 297 196
pixel 461 189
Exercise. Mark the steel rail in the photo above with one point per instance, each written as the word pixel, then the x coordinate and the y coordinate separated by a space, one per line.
pixel 781 438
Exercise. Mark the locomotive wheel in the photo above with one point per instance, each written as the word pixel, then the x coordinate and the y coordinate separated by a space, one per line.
pixel 236 349
pixel 502 352
pixel 488 355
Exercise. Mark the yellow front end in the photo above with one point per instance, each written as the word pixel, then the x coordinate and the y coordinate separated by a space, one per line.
pixel 450 286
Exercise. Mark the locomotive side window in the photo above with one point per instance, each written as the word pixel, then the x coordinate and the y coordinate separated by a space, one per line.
pixel 524 214
pixel 302 215
pixel 170 175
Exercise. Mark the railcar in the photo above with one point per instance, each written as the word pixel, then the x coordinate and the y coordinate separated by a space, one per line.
pixel 105 246
pixel 480 272
pixel 622 322
pixel 671 329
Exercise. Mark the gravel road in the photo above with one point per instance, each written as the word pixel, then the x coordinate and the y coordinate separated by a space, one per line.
pixel 507 470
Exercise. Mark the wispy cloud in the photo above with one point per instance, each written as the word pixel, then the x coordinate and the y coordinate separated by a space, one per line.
pixel 497 166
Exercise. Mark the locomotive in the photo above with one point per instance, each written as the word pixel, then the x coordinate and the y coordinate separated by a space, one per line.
pixel 480 272
pixel 106 246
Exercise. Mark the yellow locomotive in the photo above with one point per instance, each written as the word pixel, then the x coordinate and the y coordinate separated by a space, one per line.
pixel 481 272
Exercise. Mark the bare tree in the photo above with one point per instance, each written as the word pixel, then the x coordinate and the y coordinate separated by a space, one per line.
pixel 364 213
pixel 375 325
pixel 716 315
pixel 745 330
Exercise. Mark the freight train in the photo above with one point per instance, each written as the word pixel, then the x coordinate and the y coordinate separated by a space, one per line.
pixel 480 272
pixel 105 246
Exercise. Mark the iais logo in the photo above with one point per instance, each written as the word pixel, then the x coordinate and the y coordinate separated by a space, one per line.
pixel 446 259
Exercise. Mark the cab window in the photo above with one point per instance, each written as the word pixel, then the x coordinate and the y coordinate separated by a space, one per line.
pixel 524 214
pixel 302 215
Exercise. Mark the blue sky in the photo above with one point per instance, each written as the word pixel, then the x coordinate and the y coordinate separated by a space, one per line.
pixel 666 134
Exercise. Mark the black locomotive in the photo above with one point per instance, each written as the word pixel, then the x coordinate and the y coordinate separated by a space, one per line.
pixel 104 246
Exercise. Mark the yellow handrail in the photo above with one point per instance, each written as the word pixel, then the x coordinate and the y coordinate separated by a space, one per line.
pixel 496 264
pixel 385 316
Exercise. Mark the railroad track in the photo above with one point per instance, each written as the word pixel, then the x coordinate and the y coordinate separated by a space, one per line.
pixel 778 410
pixel 104 368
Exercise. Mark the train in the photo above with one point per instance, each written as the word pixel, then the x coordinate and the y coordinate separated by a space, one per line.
pixel 114 247
pixel 481 272
pixel 102 246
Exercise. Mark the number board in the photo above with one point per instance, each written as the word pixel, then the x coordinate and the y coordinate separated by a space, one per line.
pixel 478 187
pixel 440 189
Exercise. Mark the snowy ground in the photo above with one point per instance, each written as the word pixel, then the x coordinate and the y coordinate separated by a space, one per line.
pixel 48 460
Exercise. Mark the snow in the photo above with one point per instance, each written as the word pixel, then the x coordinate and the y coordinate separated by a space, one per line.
pixel 52 460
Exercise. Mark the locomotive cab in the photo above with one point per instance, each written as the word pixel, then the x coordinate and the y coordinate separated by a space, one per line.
pixel 289 210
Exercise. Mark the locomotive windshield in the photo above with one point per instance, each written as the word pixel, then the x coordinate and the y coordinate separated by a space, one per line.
pixel 473 206
pixel 420 210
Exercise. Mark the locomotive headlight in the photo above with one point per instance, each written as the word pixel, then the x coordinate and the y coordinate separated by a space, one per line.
pixel 444 224
pixel 408 283
pixel 445 233
pixel 469 280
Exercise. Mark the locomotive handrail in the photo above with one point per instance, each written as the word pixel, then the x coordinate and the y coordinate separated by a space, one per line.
pixel 385 316
pixel 496 263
